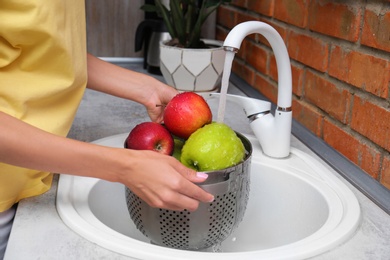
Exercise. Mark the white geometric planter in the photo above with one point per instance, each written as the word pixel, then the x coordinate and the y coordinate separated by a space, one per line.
pixel 198 70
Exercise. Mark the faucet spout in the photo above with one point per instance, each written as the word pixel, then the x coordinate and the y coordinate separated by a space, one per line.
pixel 273 132
pixel 239 32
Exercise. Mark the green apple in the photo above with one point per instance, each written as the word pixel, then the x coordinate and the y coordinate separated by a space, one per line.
pixel 213 147
pixel 177 147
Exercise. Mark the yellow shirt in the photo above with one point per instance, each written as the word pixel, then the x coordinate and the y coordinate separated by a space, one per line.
pixel 42 77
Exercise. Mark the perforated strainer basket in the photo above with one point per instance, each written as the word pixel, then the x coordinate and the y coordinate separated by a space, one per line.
pixel 211 223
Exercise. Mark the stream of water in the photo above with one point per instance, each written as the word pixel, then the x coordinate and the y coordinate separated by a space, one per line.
pixel 224 85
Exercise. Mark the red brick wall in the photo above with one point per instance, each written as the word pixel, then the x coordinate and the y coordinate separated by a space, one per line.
pixel 340 57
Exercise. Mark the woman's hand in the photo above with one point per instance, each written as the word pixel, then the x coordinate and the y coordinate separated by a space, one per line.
pixel 160 95
pixel 111 79
pixel 162 181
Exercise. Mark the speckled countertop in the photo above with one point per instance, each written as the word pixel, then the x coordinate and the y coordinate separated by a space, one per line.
pixel 39 233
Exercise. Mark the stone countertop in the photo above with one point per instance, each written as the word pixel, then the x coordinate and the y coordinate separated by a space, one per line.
pixel 39 233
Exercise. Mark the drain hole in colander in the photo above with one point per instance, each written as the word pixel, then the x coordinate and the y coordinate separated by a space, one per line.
pixel 175 225
pixel 174 228
pixel 135 210
pixel 222 218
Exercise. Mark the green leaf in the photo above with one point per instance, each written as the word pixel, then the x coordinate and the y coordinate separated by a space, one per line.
pixel 149 8
pixel 212 3
pixel 178 20
pixel 166 17
pixel 185 18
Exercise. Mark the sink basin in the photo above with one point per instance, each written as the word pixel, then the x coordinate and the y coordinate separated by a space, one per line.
pixel 297 209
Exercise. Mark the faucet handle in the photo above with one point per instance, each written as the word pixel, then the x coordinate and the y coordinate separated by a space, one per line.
pixel 272 132
pixel 251 106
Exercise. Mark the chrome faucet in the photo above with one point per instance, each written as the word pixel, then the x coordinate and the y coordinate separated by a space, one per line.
pixel 273 132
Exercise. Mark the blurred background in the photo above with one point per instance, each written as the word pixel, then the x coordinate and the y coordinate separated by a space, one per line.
pixel 111 26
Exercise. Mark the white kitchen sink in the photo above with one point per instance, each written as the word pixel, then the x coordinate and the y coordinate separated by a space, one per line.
pixel 297 209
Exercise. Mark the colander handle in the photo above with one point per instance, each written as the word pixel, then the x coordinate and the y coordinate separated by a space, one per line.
pixel 218 188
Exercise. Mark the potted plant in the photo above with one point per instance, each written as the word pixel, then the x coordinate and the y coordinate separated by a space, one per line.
pixel 188 62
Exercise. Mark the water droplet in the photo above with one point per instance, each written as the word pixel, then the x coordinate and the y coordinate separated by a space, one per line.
pixel 217 248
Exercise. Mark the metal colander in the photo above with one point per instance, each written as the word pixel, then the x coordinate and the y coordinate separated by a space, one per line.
pixel 211 223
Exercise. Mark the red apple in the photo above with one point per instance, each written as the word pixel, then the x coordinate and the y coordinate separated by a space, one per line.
pixel 186 113
pixel 150 136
